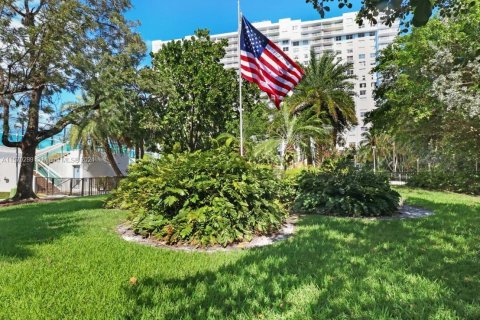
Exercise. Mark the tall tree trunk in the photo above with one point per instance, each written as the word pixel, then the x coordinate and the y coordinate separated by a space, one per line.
pixel 28 146
pixel 25 179
pixel 309 152
pixel 334 137
pixel 111 159
pixel 142 150
pixel 137 152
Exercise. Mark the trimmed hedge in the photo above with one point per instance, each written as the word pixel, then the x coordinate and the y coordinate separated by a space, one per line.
pixel 460 182
pixel 202 198
pixel 346 192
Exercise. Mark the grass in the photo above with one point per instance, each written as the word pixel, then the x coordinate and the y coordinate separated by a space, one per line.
pixel 63 260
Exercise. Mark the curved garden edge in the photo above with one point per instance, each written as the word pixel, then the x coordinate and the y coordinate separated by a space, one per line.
pixel 404 212
pixel 287 230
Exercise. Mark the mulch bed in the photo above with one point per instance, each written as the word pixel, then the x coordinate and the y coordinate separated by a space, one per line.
pixel 285 232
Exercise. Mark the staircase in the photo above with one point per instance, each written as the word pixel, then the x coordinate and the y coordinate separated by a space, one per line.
pixel 44 185
pixel 45 158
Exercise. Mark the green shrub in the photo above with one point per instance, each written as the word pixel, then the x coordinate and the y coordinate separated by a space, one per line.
pixel 202 198
pixel 289 185
pixel 345 191
pixel 461 182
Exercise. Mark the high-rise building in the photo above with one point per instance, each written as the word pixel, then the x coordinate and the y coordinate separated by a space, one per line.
pixel 341 35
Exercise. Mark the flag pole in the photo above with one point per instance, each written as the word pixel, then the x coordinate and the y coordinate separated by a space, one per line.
pixel 240 109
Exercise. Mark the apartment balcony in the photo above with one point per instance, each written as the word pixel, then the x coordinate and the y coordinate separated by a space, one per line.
pixel 333 28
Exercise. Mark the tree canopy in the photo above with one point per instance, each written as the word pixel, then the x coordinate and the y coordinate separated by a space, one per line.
pixel 430 90
pixel 49 47
pixel 420 11
pixel 197 99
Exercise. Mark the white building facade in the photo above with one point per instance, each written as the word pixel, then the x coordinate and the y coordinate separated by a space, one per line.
pixel 58 162
pixel 341 35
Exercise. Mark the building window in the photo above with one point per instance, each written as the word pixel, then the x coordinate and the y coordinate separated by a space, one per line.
pixel 374 85
pixel 363 92
pixel 349 72
pixel 361 56
pixel 349 36
pixel 363 78
pixel 285 42
pixel 350 58
pixel 305 42
pixel 361 35
pixel 338 38
pixel 362 63
pixel 372 34
pixel 305 55
pixel 363 85
pixel 349 50
pixel 285 49
pixel 362 114
pixel 296 43
pixel 338 52
pixel 373 55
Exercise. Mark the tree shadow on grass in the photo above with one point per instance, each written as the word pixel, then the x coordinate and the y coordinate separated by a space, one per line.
pixel 336 267
pixel 26 225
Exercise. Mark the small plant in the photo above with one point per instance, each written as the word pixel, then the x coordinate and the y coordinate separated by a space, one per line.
pixel 345 191
pixel 202 198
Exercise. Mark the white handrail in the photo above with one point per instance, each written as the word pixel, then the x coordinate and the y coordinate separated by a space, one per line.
pixel 49 170
pixel 50 149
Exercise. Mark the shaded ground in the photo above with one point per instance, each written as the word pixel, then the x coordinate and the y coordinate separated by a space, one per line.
pixel 288 229
pixel 64 260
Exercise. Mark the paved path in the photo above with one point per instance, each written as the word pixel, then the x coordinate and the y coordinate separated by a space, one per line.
pixel 409 212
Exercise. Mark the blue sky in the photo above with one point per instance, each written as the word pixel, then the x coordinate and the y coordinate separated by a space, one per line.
pixel 167 19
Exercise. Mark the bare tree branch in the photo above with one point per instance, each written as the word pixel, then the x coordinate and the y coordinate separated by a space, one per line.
pixel 73 117
pixel 6 125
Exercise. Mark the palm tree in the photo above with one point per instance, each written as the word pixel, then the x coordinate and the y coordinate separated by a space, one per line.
pixel 390 153
pixel 97 130
pixel 327 88
pixel 290 132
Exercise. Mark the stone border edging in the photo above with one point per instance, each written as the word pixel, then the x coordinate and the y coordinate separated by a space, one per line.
pixel 285 232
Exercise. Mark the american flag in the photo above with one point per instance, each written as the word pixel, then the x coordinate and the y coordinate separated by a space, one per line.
pixel 264 63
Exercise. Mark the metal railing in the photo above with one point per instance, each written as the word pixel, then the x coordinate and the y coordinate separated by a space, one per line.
pixel 401 176
pixel 82 187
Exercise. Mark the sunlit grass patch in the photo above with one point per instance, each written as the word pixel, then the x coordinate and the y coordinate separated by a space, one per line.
pixel 65 260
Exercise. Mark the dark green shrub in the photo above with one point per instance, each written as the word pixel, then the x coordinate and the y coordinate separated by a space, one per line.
pixel 289 185
pixel 202 198
pixel 346 191
pixel 461 182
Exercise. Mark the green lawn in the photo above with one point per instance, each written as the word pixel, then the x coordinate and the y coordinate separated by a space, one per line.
pixel 63 260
